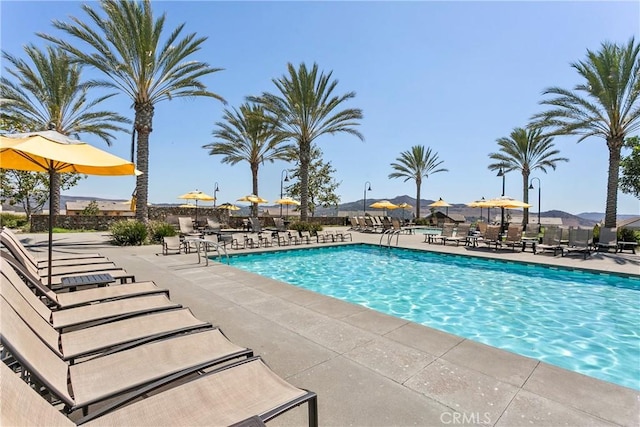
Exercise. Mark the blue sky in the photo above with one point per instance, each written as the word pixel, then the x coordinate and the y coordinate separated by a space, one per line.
pixel 452 76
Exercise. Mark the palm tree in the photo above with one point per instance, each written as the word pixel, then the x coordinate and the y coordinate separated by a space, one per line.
pixel 125 46
pixel 525 150
pixel 48 93
pixel 306 109
pixel 605 105
pixel 417 164
pixel 247 135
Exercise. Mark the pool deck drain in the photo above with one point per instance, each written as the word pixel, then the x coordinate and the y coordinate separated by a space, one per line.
pixel 371 369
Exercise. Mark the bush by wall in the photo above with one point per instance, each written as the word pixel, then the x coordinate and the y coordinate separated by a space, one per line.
pixel 128 233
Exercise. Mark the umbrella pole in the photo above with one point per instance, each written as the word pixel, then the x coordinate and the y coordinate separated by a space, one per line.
pixel 50 252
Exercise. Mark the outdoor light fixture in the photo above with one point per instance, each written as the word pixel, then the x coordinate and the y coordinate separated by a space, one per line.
pixel 284 177
pixel 539 188
pixel 367 187
pixel 215 191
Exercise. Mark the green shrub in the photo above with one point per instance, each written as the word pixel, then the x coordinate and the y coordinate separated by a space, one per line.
pixel 628 235
pixel 306 226
pixel 160 229
pixel 421 221
pixel 12 220
pixel 128 233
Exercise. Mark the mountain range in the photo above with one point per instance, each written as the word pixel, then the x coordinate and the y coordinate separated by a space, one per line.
pixel 582 219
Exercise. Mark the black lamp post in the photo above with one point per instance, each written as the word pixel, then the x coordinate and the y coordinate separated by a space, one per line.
pixel 284 177
pixel 502 174
pixel 215 192
pixel 539 188
pixel 367 187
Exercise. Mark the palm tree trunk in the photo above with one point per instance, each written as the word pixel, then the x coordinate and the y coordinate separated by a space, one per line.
pixel 305 159
pixel 610 215
pixel 254 183
pixel 143 126
pixel 525 194
pixel 55 200
pixel 418 185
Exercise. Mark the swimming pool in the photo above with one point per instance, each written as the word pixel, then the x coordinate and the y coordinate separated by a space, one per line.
pixel 581 321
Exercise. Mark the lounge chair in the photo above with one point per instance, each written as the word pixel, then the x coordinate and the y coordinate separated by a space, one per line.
pixel 514 237
pixel 580 241
pixel 12 243
pixel 186 227
pixel 222 393
pixel 59 273
pixel 447 232
pixel 55 301
pixel 550 241
pixel 354 223
pixel 107 337
pixel 12 288
pixel 213 227
pixel 461 235
pixel 173 244
pixel 608 239
pixel 492 236
pixel 156 364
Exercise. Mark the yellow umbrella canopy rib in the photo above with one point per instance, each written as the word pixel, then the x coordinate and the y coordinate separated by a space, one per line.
pixel 197 195
pixel 253 199
pixel 287 201
pixel 440 204
pixel 383 204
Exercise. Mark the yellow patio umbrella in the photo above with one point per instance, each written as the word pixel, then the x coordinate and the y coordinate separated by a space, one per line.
pixel 253 199
pixel 441 204
pixel 482 203
pixel 288 201
pixel 52 152
pixel 404 206
pixel 383 204
pixel 508 203
pixel 228 206
pixel 196 195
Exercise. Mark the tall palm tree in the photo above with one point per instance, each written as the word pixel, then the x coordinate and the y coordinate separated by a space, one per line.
pixel 126 46
pixel 247 136
pixel 416 164
pixel 48 93
pixel 604 105
pixel 525 150
pixel 305 109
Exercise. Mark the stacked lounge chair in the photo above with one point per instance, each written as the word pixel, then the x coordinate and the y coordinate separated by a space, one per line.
pixel 97 356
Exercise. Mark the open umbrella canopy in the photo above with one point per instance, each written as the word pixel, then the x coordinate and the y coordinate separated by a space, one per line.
pixel 440 204
pixel 53 152
pixel 253 199
pixel 482 203
pixel 229 207
pixel 50 151
pixel 508 203
pixel 383 204
pixel 197 195
pixel 187 205
pixel 287 201
pixel 405 206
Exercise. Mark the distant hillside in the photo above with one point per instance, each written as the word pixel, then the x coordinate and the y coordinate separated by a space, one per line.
pixel 599 216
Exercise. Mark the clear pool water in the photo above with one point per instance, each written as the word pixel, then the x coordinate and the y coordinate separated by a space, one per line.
pixel 585 322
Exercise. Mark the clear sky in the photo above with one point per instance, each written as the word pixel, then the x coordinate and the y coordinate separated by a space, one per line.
pixel 452 76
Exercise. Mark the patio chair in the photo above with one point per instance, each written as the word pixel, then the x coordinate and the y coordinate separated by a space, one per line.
pixel 238 241
pixel 284 238
pixel 306 237
pixel 213 227
pixel 186 227
pixel 60 300
pixel 608 239
pixel 173 244
pixel 156 364
pixel 13 288
pixel 107 337
pixel 580 241
pixel 12 243
pixel 461 235
pixel 447 232
pixel 492 236
pixel 514 237
pixel 59 273
pixel 550 241
pixel 19 251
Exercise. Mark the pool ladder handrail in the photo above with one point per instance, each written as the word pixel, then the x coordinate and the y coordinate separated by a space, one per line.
pixel 390 233
pixel 217 247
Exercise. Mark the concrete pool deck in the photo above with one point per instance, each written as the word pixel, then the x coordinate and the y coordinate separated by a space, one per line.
pixel 370 369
